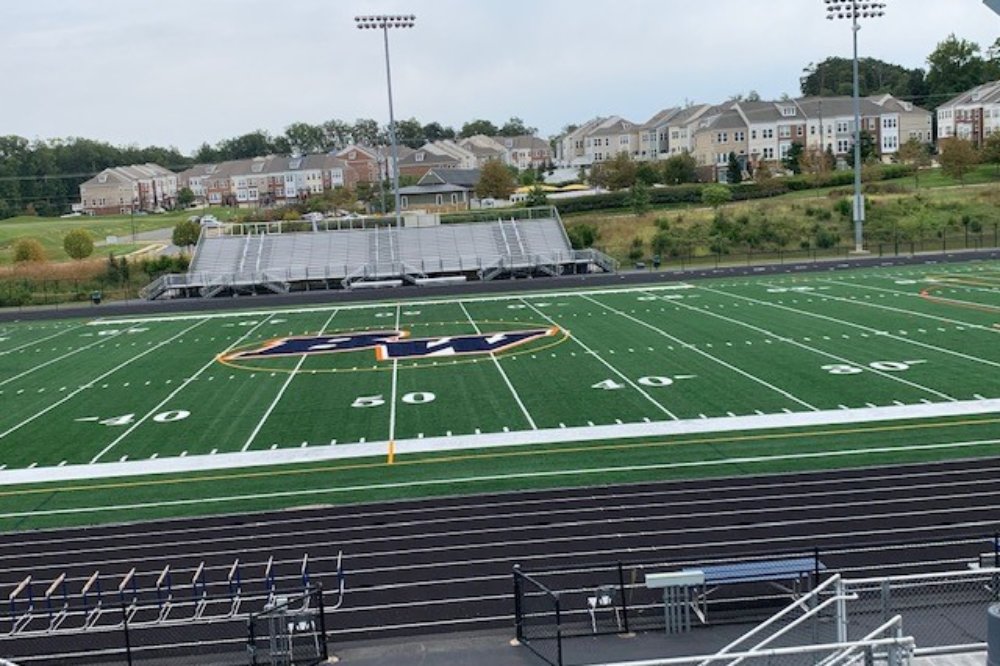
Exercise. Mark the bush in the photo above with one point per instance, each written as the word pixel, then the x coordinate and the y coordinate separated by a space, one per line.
pixel 186 233
pixel 78 244
pixel 28 250
pixel 14 295
pixel 582 236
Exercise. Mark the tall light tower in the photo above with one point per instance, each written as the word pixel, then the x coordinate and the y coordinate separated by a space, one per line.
pixel 384 23
pixel 853 10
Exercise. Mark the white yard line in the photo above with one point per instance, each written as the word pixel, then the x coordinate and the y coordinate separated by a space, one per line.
pixel 173 393
pixel 917 313
pixel 845 322
pixel 97 379
pixel 443 300
pixel 814 350
pixel 395 376
pixel 281 392
pixel 610 367
pixel 39 341
pixel 714 359
pixel 496 362
pixel 500 477
pixel 101 341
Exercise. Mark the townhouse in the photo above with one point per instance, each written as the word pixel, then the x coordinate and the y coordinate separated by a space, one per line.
pixel 437 155
pixel 973 115
pixel 525 151
pixel 609 139
pixel 139 187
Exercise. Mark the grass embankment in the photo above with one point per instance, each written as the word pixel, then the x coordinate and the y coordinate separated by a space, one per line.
pixel 899 213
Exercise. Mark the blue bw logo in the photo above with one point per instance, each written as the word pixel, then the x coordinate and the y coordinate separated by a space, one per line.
pixel 390 345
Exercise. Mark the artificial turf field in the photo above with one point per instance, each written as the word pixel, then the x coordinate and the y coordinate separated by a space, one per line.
pixel 708 377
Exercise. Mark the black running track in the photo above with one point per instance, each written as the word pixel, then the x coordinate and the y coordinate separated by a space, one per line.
pixel 444 564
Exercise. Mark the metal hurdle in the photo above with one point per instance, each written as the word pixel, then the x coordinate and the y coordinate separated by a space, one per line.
pixel 235 584
pixel 19 622
pixel 128 609
pixel 92 614
pixel 164 594
pixel 199 591
pixel 269 579
pixel 57 617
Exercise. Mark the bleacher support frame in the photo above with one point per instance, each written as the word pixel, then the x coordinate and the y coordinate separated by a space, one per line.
pixel 384 261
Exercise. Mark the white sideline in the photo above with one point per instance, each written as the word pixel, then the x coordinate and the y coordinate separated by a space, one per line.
pixel 284 456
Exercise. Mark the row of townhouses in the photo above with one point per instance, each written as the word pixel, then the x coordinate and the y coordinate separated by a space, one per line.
pixel 275 180
pixel 755 131
pixel 145 187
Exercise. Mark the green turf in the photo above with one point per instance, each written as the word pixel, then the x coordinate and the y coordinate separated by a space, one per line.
pixel 76 391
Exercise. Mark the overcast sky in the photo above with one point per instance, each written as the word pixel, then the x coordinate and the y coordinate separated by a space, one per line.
pixel 181 72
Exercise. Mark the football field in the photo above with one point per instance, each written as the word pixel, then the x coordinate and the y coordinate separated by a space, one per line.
pixel 193 392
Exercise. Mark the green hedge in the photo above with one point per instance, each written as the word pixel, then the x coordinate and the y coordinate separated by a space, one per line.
pixel 660 196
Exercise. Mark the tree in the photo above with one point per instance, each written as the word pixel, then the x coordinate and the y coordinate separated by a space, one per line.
pixel 536 197
pixel 186 233
pixel 869 148
pixel 835 77
pixel 368 132
pixel 435 132
pixel 478 126
pixel 78 244
pixel 582 236
pixel 185 197
pixel 793 159
pixel 716 195
pixel 410 133
pixel 636 249
pixel 639 197
pixel 915 153
pixel 304 138
pixel 516 127
pixel 815 161
pixel 28 250
pixel 496 181
pixel 955 65
pixel 680 169
pixel 734 172
pixel 336 135
pixel 990 154
pixel 618 173
pixel 957 157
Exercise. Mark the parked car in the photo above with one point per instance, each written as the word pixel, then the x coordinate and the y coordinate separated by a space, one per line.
pixel 210 221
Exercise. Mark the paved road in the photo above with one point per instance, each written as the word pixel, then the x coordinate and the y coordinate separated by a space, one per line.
pixel 430 566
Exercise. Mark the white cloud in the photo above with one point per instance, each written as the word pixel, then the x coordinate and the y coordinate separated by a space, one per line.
pixel 201 70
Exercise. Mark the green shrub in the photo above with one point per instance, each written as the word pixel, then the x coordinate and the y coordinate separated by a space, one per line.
pixel 78 244
pixel 28 250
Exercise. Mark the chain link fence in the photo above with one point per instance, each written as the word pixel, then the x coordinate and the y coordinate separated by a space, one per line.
pixel 290 631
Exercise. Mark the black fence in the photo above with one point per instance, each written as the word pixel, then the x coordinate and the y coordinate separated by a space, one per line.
pixel 553 607
pixel 290 631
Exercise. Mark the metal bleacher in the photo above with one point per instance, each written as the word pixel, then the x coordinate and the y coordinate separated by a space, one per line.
pixel 253 257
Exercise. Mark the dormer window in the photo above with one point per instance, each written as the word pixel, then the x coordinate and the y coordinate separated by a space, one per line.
pixel 418 157
pixel 353 155
pixel 102 178
pixel 788 111
pixel 295 163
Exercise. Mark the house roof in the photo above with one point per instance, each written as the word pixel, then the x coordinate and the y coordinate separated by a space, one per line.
pixel 660 118
pixel 441 188
pixel 987 93
pixel 467 178
pixel 616 126
pixel 128 174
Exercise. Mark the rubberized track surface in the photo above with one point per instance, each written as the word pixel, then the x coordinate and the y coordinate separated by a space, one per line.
pixel 445 564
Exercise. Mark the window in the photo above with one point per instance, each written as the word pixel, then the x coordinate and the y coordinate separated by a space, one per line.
pixel 438 199
pixel 843 145
pixel 454 197
pixel 404 201
pixel 623 140
pixel 785 132
pixel 722 137
pixel 767 133
pixel 768 153
pixel 785 147
pixel 607 141
pixel 418 157
pixel 753 135
pixel 842 127
pixel 800 131
pixel 739 136
pixel 722 158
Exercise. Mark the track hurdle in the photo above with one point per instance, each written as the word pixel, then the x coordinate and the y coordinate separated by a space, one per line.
pixel 304 572
pixel 341 581
pixel 164 594
pixel 269 579
pixel 235 583
pixel 19 622
pixel 92 614
pixel 199 590
pixel 129 609
pixel 57 617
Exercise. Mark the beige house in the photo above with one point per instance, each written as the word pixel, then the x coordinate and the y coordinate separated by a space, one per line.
pixel 974 115
pixel 139 187
pixel 612 137
pixel 718 135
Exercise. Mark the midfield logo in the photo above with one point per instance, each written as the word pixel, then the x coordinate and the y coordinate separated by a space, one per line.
pixel 390 345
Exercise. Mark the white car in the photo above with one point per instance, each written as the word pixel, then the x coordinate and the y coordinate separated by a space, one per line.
pixel 210 221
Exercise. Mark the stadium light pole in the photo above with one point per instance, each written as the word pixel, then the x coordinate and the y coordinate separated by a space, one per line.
pixel 383 23
pixel 852 10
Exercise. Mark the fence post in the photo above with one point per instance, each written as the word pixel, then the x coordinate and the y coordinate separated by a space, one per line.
pixel 518 619
pixel 251 640
pixel 128 642
pixel 559 650
pixel 815 567
pixel 621 591
pixel 322 623
pixel 885 600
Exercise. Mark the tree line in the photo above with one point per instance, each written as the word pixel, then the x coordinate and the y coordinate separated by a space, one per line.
pixel 954 66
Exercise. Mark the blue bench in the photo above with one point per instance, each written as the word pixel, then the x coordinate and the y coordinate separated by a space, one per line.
pixel 787 575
